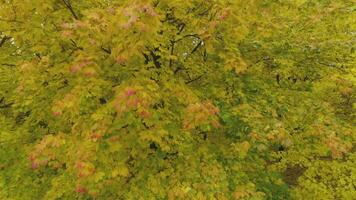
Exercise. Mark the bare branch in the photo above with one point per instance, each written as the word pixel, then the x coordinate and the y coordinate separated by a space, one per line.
pixel 7 64
pixel 196 47
pixel 3 40
pixel 106 50
pixel 194 79
pixel 189 35
pixel 181 28
pixel 3 104
pixel 155 58
pixel 172 52
pixel 70 8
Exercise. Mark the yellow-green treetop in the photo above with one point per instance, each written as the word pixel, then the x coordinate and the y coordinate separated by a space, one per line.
pixel 177 99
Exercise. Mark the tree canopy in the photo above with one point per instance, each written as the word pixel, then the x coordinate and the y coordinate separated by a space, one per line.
pixel 177 99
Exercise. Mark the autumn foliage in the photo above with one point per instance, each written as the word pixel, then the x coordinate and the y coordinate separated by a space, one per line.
pixel 173 99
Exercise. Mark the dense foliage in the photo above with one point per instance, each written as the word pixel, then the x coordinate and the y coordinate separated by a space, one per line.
pixel 177 99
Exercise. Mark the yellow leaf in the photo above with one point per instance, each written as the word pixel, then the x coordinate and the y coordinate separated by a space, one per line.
pixel 240 67
pixel 123 171
pixel 114 173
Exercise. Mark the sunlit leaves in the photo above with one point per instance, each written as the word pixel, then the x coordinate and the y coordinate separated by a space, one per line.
pixel 176 99
pixel 200 114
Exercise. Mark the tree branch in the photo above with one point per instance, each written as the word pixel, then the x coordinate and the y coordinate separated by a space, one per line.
pixel 172 52
pixel 196 47
pixel 179 68
pixel 189 35
pixel 147 58
pixel 75 45
pixel 155 58
pixel 3 104
pixel 195 79
pixel 181 28
pixel 9 65
pixel 3 40
pixel 70 8
pixel 108 50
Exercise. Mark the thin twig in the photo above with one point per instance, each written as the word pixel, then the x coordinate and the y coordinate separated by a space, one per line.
pixel 3 40
pixel 189 35
pixel 70 8
pixel 9 65
pixel 155 58
pixel 196 47
pixel 195 79
pixel 172 52
pixel 108 50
